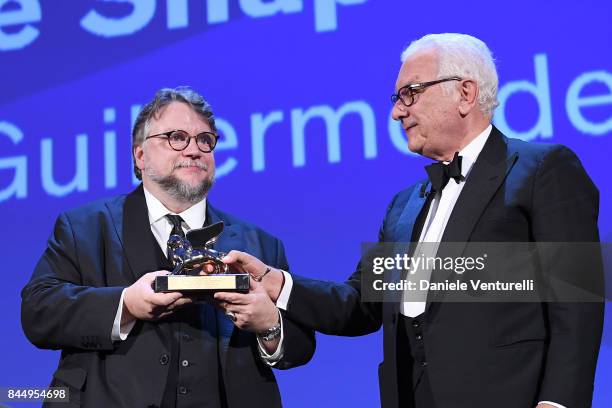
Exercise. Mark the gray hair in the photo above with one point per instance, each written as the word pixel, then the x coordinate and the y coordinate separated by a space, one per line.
pixel 163 98
pixel 464 56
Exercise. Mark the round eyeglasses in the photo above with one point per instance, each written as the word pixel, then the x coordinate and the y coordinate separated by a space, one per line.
pixel 179 140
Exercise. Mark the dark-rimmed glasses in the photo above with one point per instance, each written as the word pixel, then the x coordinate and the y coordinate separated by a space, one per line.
pixel 407 94
pixel 179 140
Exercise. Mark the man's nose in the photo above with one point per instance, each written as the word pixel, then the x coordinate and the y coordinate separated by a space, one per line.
pixel 400 111
pixel 192 148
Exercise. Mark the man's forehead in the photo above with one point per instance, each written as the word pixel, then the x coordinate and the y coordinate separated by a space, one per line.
pixel 418 67
pixel 178 115
pixel 173 109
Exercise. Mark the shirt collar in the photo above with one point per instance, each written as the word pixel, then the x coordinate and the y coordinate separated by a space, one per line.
pixel 471 152
pixel 194 216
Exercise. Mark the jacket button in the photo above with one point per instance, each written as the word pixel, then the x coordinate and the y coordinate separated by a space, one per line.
pixel 415 323
pixel 419 336
pixel 164 359
pixel 423 363
pixel 182 390
pixel 185 363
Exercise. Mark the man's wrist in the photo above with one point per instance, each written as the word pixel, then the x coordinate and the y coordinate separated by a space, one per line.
pixel 272 332
pixel 126 315
pixel 275 285
pixel 124 320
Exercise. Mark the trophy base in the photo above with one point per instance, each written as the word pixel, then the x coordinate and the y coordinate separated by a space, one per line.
pixel 202 283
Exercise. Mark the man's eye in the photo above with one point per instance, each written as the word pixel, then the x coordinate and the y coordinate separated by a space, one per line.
pixel 405 92
pixel 204 138
pixel 177 137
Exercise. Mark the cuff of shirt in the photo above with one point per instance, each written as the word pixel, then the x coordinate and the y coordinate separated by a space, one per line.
pixel 554 404
pixel 272 359
pixel 119 332
pixel 283 297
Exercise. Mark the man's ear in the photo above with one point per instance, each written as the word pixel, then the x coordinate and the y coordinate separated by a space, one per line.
pixel 138 153
pixel 468 96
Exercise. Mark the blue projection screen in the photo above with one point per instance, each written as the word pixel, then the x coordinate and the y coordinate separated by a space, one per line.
pixel 308 151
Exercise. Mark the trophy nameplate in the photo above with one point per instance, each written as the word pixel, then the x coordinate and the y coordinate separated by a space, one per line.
pixel 190 256
pixel 217 282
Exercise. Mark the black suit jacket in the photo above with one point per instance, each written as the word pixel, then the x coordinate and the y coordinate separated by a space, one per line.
pixel 493 354
pixel 72 298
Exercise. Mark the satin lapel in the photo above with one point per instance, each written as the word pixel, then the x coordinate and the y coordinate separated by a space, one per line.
pixel 115 210
pixel 405 223
pixel 229 239
pixel 134 232
pixel 402 233
pixel 485 178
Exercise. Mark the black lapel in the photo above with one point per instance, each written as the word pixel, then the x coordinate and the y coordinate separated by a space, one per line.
pixel 402 235
pixel 486 177
pixel 405 223
pixel 134 231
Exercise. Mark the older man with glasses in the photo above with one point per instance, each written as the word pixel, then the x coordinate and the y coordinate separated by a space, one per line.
pixel 124 345
pixel 483 187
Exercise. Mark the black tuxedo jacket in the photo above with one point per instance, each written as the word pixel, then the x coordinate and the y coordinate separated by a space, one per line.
pixel 486 354
pixel 72 298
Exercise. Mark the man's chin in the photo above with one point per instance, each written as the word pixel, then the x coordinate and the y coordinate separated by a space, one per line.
pixel 196 183
pixel 416 148
pixel 192 180
pixel 191 189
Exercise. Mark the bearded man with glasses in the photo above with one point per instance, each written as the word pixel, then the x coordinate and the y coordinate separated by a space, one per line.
pixel 484 187
pixel 123 345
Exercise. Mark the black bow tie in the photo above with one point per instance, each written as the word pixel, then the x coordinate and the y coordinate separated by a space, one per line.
pixel 440 173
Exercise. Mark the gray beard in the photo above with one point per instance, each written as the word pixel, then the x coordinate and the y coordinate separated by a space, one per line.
pixel 182 191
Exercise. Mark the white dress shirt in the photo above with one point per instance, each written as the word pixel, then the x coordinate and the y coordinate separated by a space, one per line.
pixel 161 227
pixel 438 215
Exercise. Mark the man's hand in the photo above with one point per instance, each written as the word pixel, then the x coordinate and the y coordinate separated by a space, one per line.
pixel 141 302
pixel 243 262
pixel 254 311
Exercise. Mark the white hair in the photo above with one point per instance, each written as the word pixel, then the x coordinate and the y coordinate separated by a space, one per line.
pixel 464 56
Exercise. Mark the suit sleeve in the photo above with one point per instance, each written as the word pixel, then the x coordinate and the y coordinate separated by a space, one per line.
pixel 299 341
pixel 58 311
pixel 565 209
pixel 333 308
pixel 336 308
